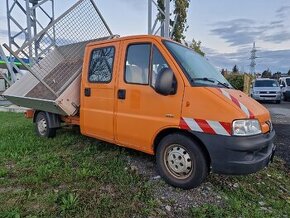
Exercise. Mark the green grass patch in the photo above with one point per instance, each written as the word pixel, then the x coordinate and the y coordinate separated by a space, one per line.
pixel 74 176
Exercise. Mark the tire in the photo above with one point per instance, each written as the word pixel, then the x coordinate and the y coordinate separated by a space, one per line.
pixel 278 102
pixel 181 162
pixel 42 128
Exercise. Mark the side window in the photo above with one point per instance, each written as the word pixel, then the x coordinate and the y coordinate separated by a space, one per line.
pixel 137 64
pixel 158 65
pixel 101 65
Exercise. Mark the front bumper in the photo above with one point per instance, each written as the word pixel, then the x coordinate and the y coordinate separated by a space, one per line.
pixel 238 155
pixel 267 97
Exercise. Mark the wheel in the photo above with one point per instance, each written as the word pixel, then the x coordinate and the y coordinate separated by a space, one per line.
pixel 181 162
pixel 42 128
pixel 278 102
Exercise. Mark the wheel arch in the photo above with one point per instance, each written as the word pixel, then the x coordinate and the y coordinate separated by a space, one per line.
pixel 191 135
pixel 53 119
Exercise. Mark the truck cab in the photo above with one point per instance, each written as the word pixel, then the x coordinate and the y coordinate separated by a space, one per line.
pixel 160 97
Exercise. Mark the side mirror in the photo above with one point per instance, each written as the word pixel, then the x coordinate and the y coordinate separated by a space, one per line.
pixel 282 86
pixel 165 82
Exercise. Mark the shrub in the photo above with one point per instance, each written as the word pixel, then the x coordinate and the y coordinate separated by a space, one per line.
pixel 236 80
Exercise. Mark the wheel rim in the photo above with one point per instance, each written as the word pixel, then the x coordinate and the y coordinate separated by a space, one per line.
pixel 178 161
pixel 42 126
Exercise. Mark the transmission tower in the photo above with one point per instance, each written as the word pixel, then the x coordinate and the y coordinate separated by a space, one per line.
pixel 160 26
pixel 26 19
pixel 253 59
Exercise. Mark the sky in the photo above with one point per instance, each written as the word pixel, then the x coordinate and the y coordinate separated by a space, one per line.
pixel 226 28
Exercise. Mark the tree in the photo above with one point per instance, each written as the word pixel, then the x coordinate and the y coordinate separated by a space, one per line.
pixel 277 75
pixel 196 46
pixel 266 74
pixel 288 72
pixel 181 7
pixel 235 69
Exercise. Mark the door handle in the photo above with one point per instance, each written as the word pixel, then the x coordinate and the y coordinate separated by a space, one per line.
pixel 121 94
pixel 87 92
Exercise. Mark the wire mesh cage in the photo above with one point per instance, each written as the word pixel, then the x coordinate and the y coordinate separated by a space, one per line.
pixel 56 53
pixel 56 58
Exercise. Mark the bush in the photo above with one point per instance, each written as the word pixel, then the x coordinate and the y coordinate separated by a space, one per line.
pixel 236 80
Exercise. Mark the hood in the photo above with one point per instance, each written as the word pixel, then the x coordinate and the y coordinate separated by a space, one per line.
pixel 247 105
pixel 219 107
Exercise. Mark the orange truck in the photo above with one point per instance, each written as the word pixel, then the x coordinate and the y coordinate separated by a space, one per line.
pixel 160 97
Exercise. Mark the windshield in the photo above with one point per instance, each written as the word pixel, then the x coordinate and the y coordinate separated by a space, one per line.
pixel 288 82
pixel 196 67
pixel 266 83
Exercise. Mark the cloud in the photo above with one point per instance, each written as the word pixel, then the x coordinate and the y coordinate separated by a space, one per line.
pixel 277 60
pixel 241 32
pixel 283 11
pixel 238 31
pixel 277 37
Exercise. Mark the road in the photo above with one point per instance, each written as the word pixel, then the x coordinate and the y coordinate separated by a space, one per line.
pixel 281 121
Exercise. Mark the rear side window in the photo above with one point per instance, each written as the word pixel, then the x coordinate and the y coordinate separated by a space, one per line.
pixel 101 65
pixel 137 64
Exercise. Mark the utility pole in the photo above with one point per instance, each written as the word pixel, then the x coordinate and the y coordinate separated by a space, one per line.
pixel 253 59
pixel 27 18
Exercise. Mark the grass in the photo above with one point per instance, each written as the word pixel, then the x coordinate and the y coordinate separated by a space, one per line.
pixel 74 176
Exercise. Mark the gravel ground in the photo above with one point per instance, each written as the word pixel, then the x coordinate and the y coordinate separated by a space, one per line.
pixel 281 121
pixel 173 201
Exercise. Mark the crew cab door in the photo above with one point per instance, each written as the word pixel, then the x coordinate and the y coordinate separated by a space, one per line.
pixel 98 91
pixel 142 112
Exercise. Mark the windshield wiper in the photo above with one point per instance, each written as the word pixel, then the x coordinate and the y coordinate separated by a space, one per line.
pixel 212 80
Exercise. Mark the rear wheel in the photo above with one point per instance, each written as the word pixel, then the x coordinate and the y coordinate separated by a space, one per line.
pixel 42 127
pixel 181 162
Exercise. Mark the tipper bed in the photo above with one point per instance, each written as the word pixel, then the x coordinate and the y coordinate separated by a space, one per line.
pixel 52 82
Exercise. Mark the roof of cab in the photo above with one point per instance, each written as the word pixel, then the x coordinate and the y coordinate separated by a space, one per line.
pixel 117 38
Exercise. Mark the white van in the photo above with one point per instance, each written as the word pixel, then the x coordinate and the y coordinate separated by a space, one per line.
pixel 285 86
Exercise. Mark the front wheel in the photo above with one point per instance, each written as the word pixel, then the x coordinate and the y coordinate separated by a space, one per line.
pixel 181 162
pixel 42 127
pixel 278 102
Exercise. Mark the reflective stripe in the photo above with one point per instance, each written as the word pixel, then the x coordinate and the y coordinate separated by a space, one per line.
pixel 206 126
pixel 192 124
pixel 218 128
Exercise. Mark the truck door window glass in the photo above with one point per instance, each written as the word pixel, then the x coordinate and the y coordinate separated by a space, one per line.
pixel 137 64
pixel 101 65
pixel 158 64
pixel 288 82
pixel 194 66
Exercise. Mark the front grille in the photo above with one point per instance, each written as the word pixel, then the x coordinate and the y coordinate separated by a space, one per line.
pixel 267 92
pixel 268 96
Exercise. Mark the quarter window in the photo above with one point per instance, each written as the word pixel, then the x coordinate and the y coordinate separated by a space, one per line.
pixel 137 64
pixel 158 65
pixel 101 65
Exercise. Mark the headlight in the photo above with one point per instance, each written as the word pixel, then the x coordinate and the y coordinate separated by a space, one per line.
pixel 246 127
pixel 256 92
pixel 278 92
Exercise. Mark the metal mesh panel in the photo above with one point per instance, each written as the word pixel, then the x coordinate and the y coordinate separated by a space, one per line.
pixel 82 22
pixel 56 53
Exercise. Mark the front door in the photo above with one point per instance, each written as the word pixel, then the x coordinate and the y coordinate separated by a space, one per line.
pixel 141 111
pixel 98 91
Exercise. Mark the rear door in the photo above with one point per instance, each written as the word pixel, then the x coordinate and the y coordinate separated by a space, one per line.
pixel 98 91
pixel 141 111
